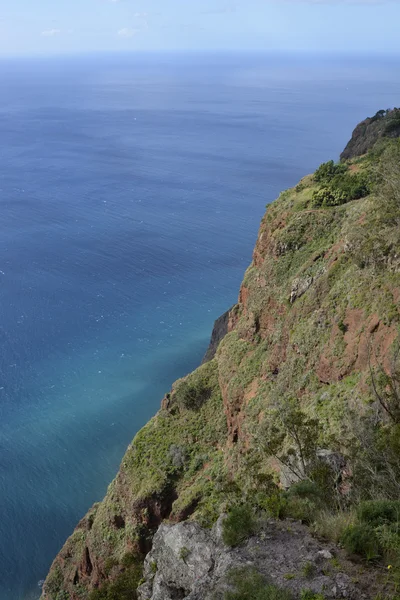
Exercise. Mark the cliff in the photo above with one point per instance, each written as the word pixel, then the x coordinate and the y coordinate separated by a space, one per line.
pixel 385 124
pixel 302 386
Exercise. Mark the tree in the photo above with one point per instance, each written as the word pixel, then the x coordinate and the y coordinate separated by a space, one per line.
pixel 292 437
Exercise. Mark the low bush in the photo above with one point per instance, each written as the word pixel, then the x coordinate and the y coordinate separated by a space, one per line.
pixel 339 185
pixel 327 171
pixel 379 512
pixel 192 396
pixel 393 126
pixel 305 489
pixel 301 509
pixel 325 197
pixel 239 525
pixel 276 505
pixel 389 541
pixel 250 585
pixel 302 502
pixel 361 540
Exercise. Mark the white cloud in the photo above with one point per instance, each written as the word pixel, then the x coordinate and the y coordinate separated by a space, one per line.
pixel 50 32
pixel 127 32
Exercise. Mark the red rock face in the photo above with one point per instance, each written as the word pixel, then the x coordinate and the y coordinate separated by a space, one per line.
pixel 368 342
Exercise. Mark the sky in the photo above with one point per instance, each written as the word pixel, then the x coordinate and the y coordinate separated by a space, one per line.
pixel 65 26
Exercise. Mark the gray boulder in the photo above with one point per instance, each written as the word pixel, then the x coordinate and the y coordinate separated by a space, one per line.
pixel 192 563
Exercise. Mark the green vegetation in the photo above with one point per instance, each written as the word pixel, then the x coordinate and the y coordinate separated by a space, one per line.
pixel 361 539
pixel 122 588
pixel 192 396
pixel 375 244
pixel 239 525
pixel 309 595
pixel 55 582
pixel 184 553
pixel 331 525
pixel 308 569
pixel 379 512
pixel 250 585
pixel 288 423
pixel 329 170
pixel 338 185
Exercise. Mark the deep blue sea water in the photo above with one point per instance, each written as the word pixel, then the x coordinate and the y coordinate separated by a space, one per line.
pixel 131 191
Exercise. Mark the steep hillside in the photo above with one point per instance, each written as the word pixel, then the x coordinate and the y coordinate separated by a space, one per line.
pixel 304 386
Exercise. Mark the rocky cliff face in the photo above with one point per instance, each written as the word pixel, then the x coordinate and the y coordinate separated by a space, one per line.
pixel 318 310
pixel 386 123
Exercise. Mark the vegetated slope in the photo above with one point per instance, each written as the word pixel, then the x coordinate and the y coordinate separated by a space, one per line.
pixel 303 386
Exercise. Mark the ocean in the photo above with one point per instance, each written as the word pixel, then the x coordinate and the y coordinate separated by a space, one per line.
pixel 131 191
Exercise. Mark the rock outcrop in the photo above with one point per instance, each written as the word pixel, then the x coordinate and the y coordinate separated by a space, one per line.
pixel 191 563
pixel 220 329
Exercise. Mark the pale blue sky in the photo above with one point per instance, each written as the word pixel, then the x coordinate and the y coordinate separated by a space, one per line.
pixel 58 26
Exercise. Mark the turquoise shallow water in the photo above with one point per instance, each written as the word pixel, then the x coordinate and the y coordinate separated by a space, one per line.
pixel 131 191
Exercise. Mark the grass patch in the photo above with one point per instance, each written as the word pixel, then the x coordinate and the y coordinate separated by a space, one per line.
pixel 309 595
pixel 122 588
pixel 331 526
pixel 250 585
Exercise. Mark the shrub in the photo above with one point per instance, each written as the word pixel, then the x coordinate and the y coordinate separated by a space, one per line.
pixel 276 505
pixel 362 540
pixel 305 489
pixel 301 509
pixel 379 512
pixel 393 126
pixel 250 585
pixel 192 395
pixel 238 526
pixel 339 186
pixel 325 197
pixel 129 559
pixel 327 171
pixel 353 186
pixel 291 436
pixel 178 456
pixel 389 540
